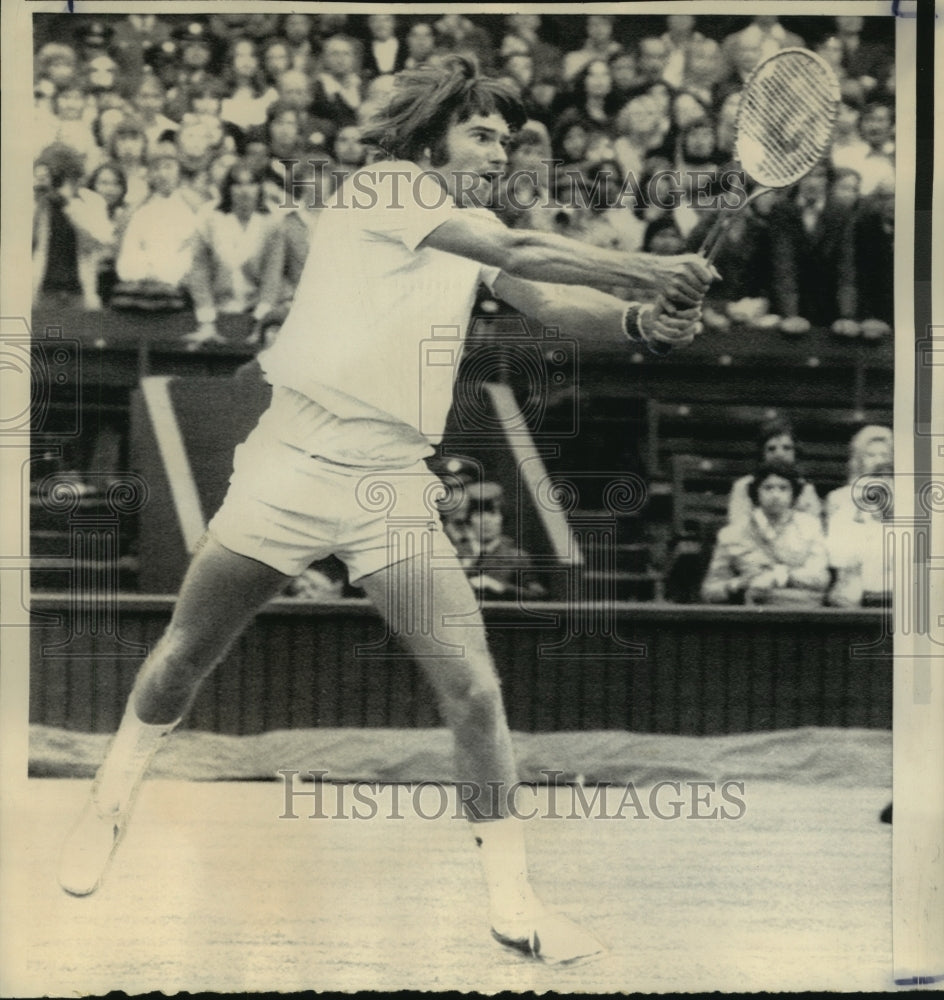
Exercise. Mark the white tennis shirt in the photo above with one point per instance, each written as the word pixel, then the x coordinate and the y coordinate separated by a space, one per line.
pixel 377 324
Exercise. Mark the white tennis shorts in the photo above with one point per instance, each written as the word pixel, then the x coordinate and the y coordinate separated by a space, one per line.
pixel 286 508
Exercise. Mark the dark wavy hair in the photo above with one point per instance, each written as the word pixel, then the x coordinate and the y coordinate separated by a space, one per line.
pixel 430 99
pixel 257 175
pixel 780 469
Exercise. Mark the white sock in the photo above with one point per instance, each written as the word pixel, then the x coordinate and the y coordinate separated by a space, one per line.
pixel 127 759
pixel 505 865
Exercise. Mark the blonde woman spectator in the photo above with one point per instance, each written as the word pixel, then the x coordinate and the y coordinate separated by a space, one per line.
pixel 870 449
pixel 864 570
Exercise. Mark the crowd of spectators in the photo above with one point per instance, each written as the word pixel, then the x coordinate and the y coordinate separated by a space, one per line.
pixel 164 146
pixel 161 141
pixel 782 545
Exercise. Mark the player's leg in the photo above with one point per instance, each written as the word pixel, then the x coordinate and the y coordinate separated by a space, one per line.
pixel 455 658
pixel 219 596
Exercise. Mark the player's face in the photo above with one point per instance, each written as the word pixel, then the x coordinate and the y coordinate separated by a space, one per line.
pixel 780 449
pixel 775 496
pixel 477 148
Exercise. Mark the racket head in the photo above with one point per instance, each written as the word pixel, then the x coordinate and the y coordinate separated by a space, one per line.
pixel 786 117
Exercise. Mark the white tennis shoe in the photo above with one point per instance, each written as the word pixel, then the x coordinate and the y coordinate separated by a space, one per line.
pixel 552 939
pixel 89 848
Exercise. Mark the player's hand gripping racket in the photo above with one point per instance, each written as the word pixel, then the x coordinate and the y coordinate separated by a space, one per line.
pixel 785 123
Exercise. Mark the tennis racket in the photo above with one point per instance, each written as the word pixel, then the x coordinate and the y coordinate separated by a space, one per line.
pixel 785 123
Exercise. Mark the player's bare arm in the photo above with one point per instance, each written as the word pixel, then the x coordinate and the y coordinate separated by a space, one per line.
pixel 586 312
pixel 521 253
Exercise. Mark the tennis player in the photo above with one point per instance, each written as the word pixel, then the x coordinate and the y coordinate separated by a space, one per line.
pixel 352 405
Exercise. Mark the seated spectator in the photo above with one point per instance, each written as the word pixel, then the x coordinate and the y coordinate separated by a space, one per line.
pixel 56 174
pixel 497 568
pixel 829 49
pixel 877 166
pixel 777 556
pixel 598 43
pixel 703 70
pixel 813 256
pixel 128 149
pixel 870 448
pixel 420 45
pixel 70 124
pixel 276 59
pixel 337 94
pixel 156 254
pixel 588 98
pixel 570 139
pixel 192 65
pixel 295 90
pixel 56 66
pixel 625 85
pixel 679 37
pixel 776 442
pixel 298 30
pixel 100 216
pixel 149 101
pixel 652 56
pixel 640 130
pixel 874 239
pixel 864 573
pixel 239 256
pixel 848 149
pixel 248 96
pixel 741 53
pixel 384 52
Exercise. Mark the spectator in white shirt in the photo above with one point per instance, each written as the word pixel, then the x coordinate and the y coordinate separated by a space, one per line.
pixel 239 255
pixel 159 241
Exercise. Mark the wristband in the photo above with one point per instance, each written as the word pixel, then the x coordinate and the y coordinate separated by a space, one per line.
pixel 631 329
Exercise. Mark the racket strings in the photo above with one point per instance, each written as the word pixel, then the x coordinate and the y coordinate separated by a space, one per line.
pixel 786 119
